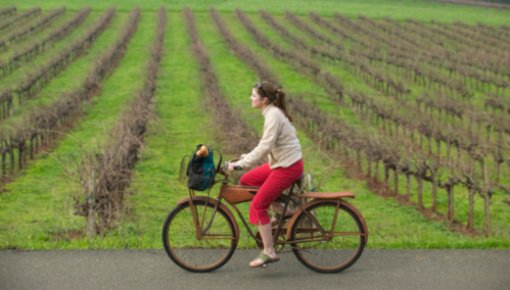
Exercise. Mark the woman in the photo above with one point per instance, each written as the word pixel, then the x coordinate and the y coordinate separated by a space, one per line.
pixel 281 146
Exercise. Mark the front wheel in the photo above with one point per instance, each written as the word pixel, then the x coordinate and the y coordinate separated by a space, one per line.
pixel 198 238
pixel 327 242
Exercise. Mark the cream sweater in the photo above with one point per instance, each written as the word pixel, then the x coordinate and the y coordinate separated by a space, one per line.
pixel 279 141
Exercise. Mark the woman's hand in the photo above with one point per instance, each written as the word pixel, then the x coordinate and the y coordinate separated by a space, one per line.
pixel 231 166
pixel 234 166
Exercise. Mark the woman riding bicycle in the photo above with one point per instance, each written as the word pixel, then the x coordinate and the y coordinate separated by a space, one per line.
pixel 281 146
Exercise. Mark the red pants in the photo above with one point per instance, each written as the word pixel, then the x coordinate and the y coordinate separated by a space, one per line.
pixel 272 183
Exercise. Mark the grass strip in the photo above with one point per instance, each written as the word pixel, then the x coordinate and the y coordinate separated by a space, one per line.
pixel 36 210
pixel 417 243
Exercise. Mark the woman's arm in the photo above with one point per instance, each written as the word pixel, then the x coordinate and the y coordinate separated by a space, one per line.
pixel 272 127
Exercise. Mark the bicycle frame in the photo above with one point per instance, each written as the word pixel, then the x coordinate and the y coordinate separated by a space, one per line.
pixel 234 194
pixel 314 231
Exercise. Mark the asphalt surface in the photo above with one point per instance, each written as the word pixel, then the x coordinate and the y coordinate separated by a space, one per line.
pixel 152 269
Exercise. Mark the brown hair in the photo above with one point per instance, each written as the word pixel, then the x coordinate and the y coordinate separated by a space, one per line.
pixel 276 96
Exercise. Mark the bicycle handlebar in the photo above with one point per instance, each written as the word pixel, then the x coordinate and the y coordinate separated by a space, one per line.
pixel 237 167
pixel 224 169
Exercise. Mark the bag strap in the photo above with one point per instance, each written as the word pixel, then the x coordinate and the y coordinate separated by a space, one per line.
pixel 184 167
pixel 219 163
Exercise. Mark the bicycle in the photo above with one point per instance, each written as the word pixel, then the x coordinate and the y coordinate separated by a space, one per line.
pixel 326 233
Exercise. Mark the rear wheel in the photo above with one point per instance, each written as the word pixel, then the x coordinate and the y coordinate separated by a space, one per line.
pixel 333 250
pixel 199 254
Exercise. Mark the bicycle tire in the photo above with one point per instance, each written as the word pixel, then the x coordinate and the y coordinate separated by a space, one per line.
pixel 186 250
pixel 328 256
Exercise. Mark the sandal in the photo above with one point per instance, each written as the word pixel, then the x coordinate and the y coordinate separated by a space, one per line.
pixel 266 259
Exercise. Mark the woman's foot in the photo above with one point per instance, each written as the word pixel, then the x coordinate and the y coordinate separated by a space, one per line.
pixel 264 259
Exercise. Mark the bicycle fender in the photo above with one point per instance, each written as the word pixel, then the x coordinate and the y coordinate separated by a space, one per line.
pixel 214 201
pixel 293 219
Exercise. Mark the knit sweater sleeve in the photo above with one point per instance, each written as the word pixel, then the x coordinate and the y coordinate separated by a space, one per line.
pixel 272 126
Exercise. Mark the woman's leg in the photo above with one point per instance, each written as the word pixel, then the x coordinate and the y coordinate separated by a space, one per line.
pixel 275 184
pixel 267 239
pixel 256 176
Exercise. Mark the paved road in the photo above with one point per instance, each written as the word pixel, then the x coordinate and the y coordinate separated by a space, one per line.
pixel 152 269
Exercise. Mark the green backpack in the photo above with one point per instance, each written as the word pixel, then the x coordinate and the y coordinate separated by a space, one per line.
pixel 201 170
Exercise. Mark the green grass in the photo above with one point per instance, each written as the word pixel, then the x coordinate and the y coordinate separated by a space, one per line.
pixel 179 123
pixel 398 9
pixel 38 205
pixel 36 209
pixel 156 190
pixel 37 33
pixel 17 76
pixel 37 36
pixel 388 218
pixel 73 75
pixel 461 197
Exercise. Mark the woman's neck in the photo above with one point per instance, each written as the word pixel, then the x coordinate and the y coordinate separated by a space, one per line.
pixel 263 107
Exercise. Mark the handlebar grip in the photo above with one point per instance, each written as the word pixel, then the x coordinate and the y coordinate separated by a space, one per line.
pixel 237 167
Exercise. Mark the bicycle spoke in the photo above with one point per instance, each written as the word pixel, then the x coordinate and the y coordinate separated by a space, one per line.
pixel 211 250
pixel 334 249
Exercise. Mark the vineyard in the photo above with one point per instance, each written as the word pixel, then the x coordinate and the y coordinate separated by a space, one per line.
pixel 98 106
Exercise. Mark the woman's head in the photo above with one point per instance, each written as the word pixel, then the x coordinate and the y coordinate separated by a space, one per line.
pixel 265 93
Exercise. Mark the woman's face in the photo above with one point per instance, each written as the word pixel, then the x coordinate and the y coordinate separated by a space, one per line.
pixel 256 100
